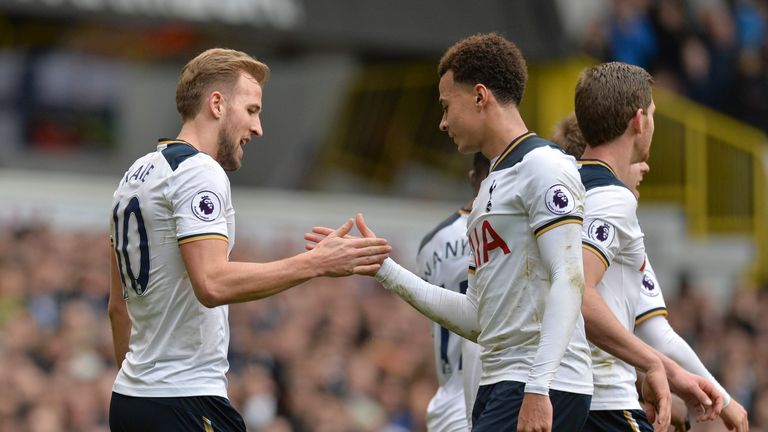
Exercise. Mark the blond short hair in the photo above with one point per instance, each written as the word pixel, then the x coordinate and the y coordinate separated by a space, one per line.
pixel 214 67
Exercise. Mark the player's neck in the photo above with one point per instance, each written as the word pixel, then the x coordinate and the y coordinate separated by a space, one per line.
pixel 617 154
pixel 505 125
pixel 201 138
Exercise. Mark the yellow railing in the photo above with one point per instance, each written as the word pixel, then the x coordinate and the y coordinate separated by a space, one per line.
pixel 712 165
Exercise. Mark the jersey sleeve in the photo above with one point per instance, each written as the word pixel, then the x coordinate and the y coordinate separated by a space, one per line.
pixel 610 223
pixel 554 195
pixel 650 302
pixel 199 194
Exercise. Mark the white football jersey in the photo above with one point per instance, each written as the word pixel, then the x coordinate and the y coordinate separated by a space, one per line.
pixel 611 231
pixel 178 347
pixel 651 301
pixel 442 260
pixel 532 188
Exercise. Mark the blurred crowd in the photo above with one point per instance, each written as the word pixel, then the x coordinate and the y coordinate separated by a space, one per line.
pixel 338 355
pixel 334 355
pixel 713 51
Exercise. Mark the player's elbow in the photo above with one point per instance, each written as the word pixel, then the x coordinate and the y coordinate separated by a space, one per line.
pixel 117 311
pixel 209 295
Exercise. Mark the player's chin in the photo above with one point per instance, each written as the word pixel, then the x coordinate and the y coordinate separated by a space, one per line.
pixel 233 165
pixel 465 148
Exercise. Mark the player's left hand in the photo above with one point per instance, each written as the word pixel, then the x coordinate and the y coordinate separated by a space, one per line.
pixel 535 414
pixel 318 233
pixel 697 392
pixel 735 417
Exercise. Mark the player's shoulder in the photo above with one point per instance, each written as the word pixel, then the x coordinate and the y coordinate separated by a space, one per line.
pixel 452 226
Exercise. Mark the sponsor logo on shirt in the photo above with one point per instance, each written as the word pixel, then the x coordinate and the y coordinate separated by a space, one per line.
pixel 649 286
pixel 206 206
pixel 601 232
pixel 559 200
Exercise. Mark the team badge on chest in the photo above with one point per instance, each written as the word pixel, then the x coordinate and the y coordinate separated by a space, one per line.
pixel 489 205
pixel 559 200
pixel 206 206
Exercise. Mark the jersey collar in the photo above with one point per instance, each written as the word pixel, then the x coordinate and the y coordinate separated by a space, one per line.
pixel 515 142
pixel 597 162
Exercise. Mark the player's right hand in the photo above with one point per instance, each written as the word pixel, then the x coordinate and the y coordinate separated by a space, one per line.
pixel 535 414
pixel 657 398
pixel 338 254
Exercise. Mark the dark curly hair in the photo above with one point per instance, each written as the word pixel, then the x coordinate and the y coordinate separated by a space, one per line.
pixel 491 60
pixel 607 97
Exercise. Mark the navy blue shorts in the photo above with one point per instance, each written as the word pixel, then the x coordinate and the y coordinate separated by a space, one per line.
pixel 159 414
pixel 618 421
pixel 498 405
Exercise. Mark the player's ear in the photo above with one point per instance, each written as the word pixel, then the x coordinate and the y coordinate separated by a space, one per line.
pixel 481 94
pixel 216 104
pixel 636 123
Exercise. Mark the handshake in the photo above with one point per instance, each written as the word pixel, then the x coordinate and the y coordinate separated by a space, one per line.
pixel 337 253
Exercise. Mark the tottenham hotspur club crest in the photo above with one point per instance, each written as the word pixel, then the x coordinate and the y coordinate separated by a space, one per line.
pixel 490 195
pixel 559 200
pixel 206 206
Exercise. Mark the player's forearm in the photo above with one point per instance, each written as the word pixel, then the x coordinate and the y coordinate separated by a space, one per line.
pixel 657 333
pixel 121 331
pixel 119 319
pixel 451 310
pixel 237 282
pixel 605 331
pixel 560 251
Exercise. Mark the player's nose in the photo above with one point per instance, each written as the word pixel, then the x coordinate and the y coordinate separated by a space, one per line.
pixel 256 129
pixel 443 125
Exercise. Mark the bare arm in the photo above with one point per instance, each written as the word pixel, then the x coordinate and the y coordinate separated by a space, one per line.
pixel 605 331
pixel 218 281
pixel 118 314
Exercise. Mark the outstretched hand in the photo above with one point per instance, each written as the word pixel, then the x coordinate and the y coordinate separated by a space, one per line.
pixel 318 233
pixel 341 254
pixel 363 228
